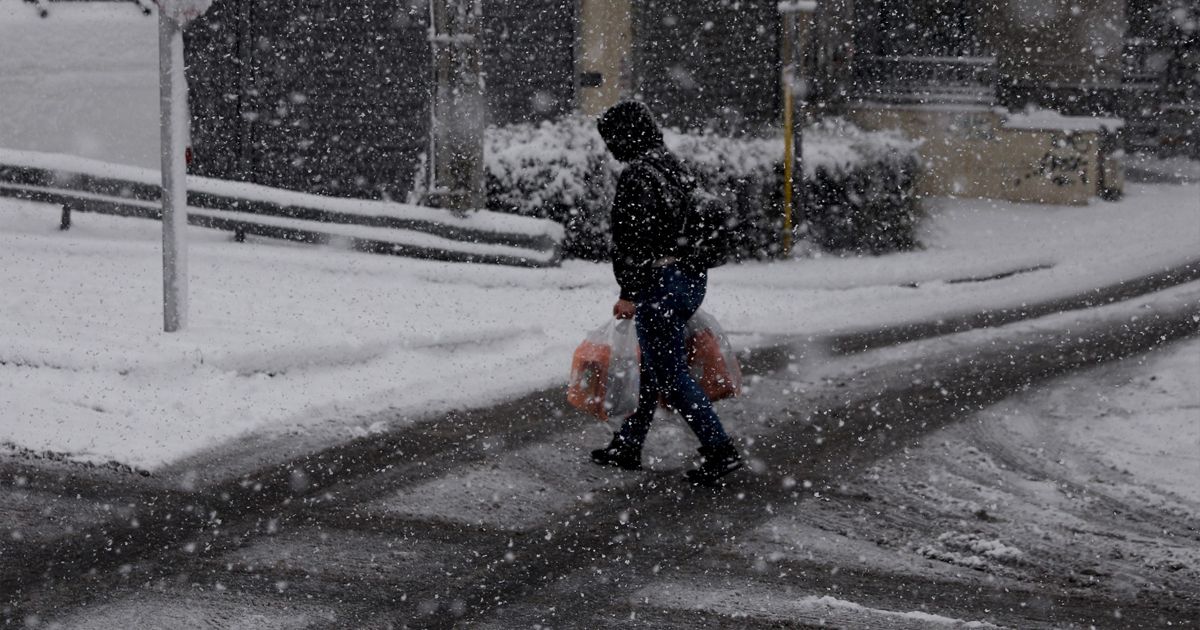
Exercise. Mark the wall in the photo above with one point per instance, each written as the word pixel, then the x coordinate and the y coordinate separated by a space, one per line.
pixel 529 59
pixel 976 153
pixel 708 65
pixel 324 97
pixel 605 48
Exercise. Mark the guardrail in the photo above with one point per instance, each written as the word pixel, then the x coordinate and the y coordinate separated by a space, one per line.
pixel 81 185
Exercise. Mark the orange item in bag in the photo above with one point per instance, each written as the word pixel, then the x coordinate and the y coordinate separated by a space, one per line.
pixel 605 372
pixel 718 378
pixel 589 378
pixel 710 359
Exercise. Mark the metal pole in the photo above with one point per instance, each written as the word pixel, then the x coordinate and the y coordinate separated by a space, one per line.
pixel 796 17
pixel 789 154
pixel 803 31
pixel 434 21
pixel 174 127
pixel 456 157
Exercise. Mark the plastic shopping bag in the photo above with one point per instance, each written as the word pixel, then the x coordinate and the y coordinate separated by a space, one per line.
pixel 710 358
pixel 606 373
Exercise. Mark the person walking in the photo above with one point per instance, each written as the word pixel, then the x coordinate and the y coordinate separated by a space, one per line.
pixel 660 288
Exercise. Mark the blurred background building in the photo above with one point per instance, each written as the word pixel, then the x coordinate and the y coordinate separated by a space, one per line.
pixel 335 97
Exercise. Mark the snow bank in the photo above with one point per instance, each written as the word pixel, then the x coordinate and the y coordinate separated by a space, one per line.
pixel 83 80
pixel 1050 120
pixel 969 550
pixel 758 602
pixel 828 601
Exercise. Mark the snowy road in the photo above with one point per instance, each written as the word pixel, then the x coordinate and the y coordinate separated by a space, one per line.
pixel 858 511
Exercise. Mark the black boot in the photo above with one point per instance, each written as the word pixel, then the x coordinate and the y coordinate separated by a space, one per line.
pixel 619 453
pixel 716 462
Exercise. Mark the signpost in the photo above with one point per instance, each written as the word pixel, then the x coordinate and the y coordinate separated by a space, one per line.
pixel 797 20
pixel 173 16
pixel 459 112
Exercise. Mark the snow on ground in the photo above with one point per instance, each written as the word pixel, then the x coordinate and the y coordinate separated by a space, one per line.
pixel 1093 473
pixel 276 331
pixel 287 338
pixel 83 81
pixel 754 602
pixel 1083 486
pixel 295 338
pixel 1139 426
pixel 1099 244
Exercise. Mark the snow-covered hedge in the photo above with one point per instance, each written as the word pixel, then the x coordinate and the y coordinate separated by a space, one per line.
pixel 558 171
pixel 859 184
pixel 860 190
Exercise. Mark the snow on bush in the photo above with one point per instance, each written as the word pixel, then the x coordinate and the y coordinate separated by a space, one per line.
pixel 859 184
pixel 861 191
pixel 558 171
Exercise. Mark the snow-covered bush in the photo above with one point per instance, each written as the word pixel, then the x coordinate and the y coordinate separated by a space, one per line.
pixel 558 171
pixel 860 190
pixel 858 196
pixel 859 184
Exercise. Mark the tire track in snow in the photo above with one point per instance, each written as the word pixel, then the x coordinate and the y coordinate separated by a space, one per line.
pixel 680 525
pixel 1127 290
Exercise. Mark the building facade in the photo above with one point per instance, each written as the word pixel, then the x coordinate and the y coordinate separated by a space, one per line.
pixel 335 98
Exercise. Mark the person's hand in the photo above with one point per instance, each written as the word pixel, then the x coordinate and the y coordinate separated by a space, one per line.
pixel 623 309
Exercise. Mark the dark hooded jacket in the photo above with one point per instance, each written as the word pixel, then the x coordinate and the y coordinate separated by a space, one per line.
pixel 651 197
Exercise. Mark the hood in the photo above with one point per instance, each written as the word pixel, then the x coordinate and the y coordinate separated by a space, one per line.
pixel 629 130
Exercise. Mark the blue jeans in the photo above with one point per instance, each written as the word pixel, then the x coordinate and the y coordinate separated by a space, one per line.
pixel 663 310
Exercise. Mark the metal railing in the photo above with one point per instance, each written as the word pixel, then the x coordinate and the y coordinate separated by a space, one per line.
pixel 926 80
pixel 299 217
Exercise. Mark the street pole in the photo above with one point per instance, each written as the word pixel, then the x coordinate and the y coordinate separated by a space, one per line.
pixel 796 18
pixel 175 123
pixel 174 131
pixel 789 153
pixel 458 112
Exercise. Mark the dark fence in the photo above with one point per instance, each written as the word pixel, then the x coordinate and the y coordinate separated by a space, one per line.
pixel 334 97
